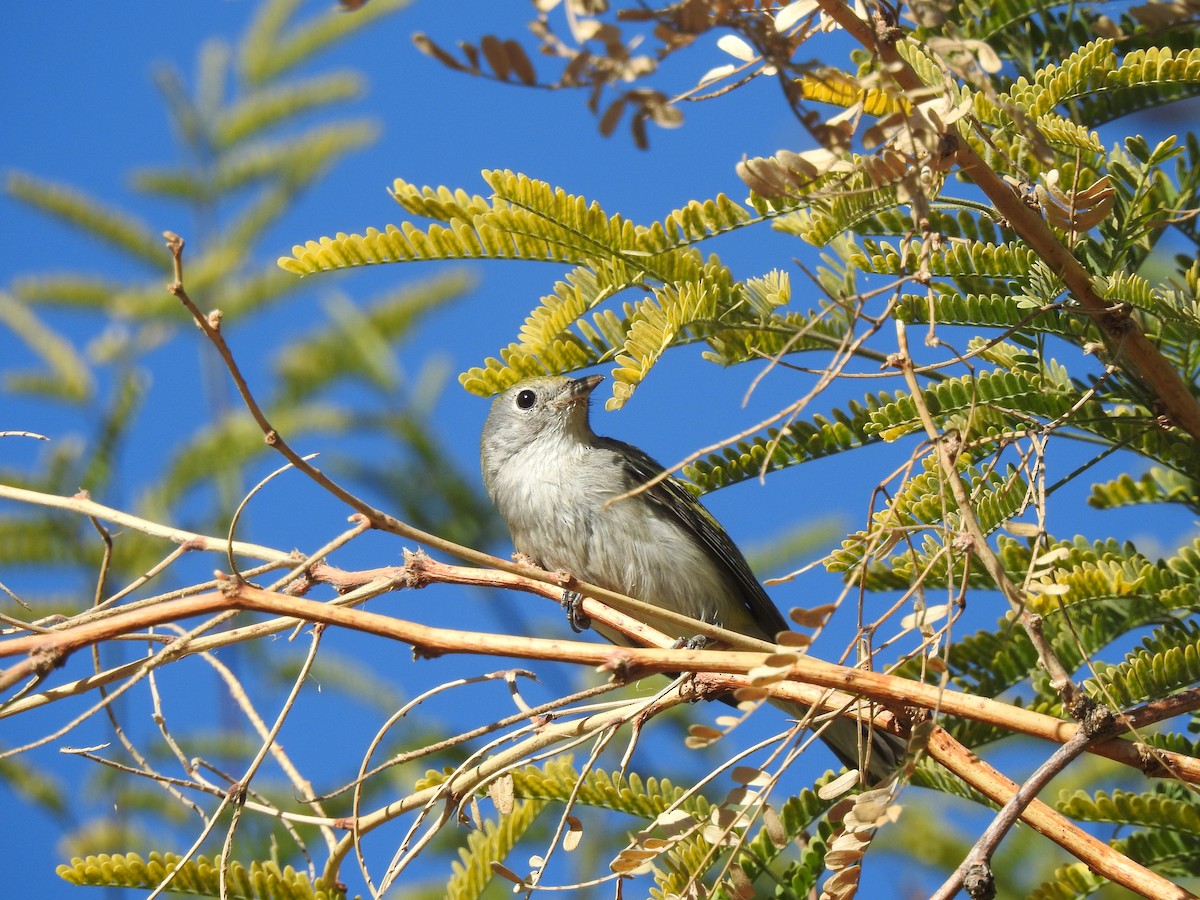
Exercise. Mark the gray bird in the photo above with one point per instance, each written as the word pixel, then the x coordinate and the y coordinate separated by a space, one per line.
pixel 550 477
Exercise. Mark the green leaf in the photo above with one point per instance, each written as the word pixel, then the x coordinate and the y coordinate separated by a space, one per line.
pixel 66 376
pixel 473 872
pixel 269 50
pixel 199 875
pixel 96 219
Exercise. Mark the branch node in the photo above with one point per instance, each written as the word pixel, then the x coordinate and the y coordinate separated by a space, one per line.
pixel 416 572
pixel 46 658
pixel 979 882
pixel 1116 320
pixel 1095 720
pixel 964 542
pixel 175 245
pixel 237 793
pixel 886 31
pixel 619 665
pixel 229 585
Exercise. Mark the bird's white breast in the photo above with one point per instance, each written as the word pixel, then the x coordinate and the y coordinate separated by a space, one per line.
pixel 558 517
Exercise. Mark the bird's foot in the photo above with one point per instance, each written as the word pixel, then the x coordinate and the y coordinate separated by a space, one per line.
pixel 572 602
pixel 695 642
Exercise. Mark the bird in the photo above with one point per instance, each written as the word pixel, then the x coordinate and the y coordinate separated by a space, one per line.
pixel 554 482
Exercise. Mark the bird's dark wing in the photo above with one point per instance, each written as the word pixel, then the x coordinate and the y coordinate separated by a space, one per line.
pixel 672 497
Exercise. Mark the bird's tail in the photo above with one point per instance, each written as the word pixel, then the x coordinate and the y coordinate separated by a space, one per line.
pixel 855 745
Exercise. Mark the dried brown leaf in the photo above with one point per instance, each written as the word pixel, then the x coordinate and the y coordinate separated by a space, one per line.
pixel 496 55
pixel 638 128
pixel 701 736
pixel 429 48
pixel 842 884
pixel 844 782
pixel 519 60
pixel 501 792
pixel 814 617
pixel 471 52
pixel 773 826
pixel 793 639
pixel 740 883
pixel 505 872
pixel 750 775
pixel 574 833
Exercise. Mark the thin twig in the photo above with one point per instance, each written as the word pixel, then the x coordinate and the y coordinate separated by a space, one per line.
pixel 88 507
pixel 1161 377
pixel 1060 678
pixel 1099 856
pixel 810 682
pixel 981 854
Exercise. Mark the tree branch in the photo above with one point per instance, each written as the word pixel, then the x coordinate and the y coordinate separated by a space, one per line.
pixel 1105 860
pixel 812 682
pixel 1120 329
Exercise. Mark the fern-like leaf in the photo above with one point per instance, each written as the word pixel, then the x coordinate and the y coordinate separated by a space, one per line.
pixel 358 341
pixel 472 872
pixel 69 205
pixel 802 441
pixel 921 504
pixel 1069 882
pixel 199 876
pixel 525 219
pixel 269 50
pixel 956 261
pixel 798 817
pixel 999 400
pixel 1168 660
pixel 66 376
pixel 1145 77
pixel 263 109
pixel 1000 311
pixel 1156 486
pixel 1149 810
pixel 659 321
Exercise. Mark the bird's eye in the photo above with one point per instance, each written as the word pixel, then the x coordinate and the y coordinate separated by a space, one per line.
pixel 525 399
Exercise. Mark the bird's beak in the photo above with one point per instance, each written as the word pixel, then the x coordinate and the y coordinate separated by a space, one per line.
pixel 580 389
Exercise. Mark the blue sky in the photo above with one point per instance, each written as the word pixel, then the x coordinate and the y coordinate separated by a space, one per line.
pixel 82 108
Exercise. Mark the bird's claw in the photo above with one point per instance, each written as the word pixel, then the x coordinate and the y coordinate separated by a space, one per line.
pixel 572 602
pixel 695 642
